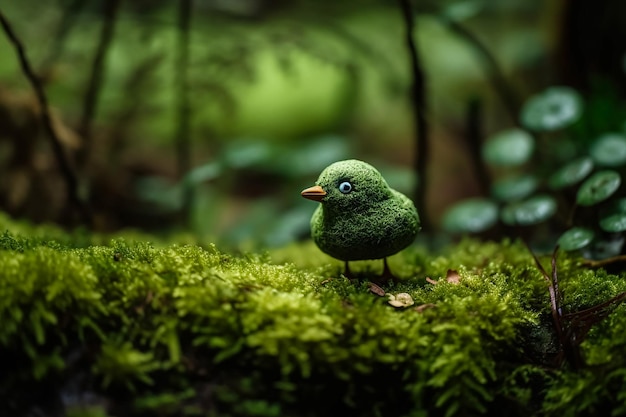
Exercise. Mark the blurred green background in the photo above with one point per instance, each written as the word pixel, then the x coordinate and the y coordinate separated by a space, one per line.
pixel 210 116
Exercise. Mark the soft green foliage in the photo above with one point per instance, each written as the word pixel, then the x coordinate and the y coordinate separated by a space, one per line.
pixel 571 173
pixel 511 147
pixel 609 150
pixel 365 220
pixel 531 211
pixel 471 215
pixel 137 329
pixel 576 205
pixel 614 223
pixel 575 238
pixel 514 187
pixel 598 187
pixel 555 108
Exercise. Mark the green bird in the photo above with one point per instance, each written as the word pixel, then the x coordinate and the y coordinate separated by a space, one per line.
pixel 360 217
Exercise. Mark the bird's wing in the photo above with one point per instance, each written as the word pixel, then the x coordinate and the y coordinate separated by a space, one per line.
pixel 404 201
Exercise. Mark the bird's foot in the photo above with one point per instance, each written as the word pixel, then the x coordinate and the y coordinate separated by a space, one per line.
pixel 347 273
pixel 387 274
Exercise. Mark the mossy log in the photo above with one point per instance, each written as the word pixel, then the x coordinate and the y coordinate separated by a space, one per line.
pixel 134 329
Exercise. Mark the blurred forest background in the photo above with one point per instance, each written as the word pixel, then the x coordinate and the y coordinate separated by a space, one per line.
pixel 212 115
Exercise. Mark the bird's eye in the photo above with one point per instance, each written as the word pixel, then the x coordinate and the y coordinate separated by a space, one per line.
pixel 345 187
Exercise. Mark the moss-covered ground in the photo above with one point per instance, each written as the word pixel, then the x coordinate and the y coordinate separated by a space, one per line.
pixel 98 327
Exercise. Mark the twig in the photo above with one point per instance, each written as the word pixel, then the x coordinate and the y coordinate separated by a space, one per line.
pixel 495 73
pixel 580 322
pixel 68 20
pixel 565 333
pixel 555 282
pixel 420 109
pixel 603 262
pixel 65 167
pixel 474 136
pixel 94 85
pixel 183 129
pixel 363 48
pixel 598 309
pixel 555 302
pixel 572 328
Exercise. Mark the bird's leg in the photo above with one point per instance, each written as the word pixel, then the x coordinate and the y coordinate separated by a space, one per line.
pixel 347 273
pixel 387 275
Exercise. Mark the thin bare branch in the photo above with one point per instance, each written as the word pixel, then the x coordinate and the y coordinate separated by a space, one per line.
pixel 474 135
pixel 598 309
pixel 495 73
pixel 183 128
pixel 67 171
pixel 555 281
pixel 572 328
pixel 603 262
pixel 68 20
pixel 555 306
pixel 420 110
pixel 96 78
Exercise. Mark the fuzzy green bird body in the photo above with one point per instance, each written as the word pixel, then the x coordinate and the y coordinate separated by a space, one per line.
pixel 360 217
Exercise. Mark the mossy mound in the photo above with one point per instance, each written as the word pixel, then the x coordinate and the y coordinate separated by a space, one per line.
pixel 130 329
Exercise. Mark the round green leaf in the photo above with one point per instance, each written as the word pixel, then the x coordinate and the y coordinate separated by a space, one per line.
pixel 510 147
pixel 571 173
pixel 598 187
pixel 553 109
pixel 247 153
pixel 609 150
pixel 471 216
pixel 575 238
pixel 614 223
pixel 528 212
pixel 312 156
pixel 612 215
pixel 514 188
pixel 605 248
pixel 463 10
pixel 617 206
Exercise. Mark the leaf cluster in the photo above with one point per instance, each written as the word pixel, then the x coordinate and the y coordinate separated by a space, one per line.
pixel 555 170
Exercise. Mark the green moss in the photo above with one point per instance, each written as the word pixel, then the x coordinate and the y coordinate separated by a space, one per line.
pixel 137 329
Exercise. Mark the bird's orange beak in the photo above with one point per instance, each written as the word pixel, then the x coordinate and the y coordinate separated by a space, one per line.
pixel 315 193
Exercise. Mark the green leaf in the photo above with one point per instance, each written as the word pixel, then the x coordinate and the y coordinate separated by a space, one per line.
pixel 228 352
pixel 471 216
pixel 614 223
pixel 510 147
pixel 532 211
pixel 609 150
pixel 571 173
pixel 553 109
pixel 514 188
pixel 311 157
pixel 204 173
pixel 463 10
pixel 616 206
pixel 598 187
pixel 575 238
pixel 247 153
